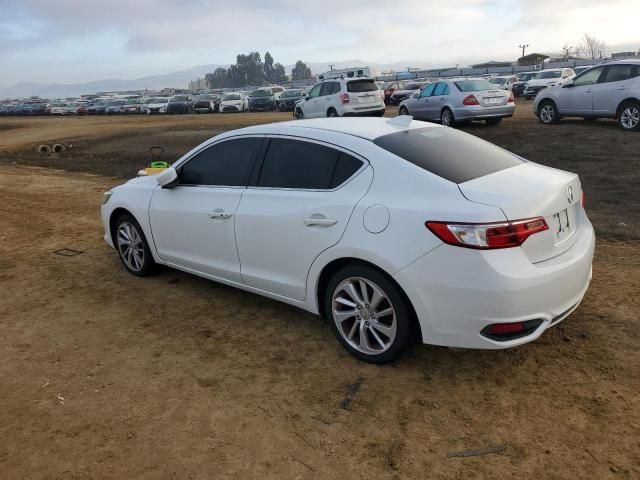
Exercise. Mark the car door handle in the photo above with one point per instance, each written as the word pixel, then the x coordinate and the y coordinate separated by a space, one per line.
pixel 621 88
pixel 319 222
pixel 219 213
pixel 588 91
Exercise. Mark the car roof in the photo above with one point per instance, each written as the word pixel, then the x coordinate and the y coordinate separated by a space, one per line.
pixel 368 128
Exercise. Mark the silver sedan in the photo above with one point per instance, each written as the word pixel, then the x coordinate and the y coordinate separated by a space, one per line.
pixel 460 101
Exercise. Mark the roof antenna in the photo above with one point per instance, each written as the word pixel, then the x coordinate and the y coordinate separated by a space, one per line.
pixel 401 120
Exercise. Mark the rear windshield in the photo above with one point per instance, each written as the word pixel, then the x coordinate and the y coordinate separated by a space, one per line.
pixel 450 154
pixel 554 74
pixel 473 85
pixel 356 86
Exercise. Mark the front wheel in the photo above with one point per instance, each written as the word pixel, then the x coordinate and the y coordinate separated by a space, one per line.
pixel 548 113
pixel 298 113
pixel 132 246
pixel 368 314
pixel 403 110
pixel 629 116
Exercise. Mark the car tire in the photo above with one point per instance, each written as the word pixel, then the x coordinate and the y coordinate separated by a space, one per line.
pixel 629 116
pixel 132 246
pixel 380 339
pixel 548 113
pixel 332 113
pixel 493 121
pixel 403 110
pixel 446 117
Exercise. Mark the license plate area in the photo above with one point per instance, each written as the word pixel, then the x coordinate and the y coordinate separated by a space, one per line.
pixel 492 101
pixel 563 224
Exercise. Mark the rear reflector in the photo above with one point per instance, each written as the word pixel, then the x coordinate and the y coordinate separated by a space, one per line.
pixel 470 100
pixel 486 236
pixel 510 331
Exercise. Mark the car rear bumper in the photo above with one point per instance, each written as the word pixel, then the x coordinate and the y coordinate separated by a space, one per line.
pixel 482 112
pixel 481 288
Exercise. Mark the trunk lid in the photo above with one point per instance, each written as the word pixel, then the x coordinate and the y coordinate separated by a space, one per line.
pixel 532 190
pixel 492 98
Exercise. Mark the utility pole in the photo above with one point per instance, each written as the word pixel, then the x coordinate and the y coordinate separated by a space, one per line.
pixel 523 47
pixel 331 67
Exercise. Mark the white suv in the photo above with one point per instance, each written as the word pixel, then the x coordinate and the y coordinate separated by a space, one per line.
pixel 547 78
pixel 338 97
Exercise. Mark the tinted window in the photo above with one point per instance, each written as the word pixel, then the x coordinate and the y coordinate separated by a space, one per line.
pixel 440 89
pixel 295 164
pixel 428 90
pixel 450 154
pixel 315 91
pixel 329 88
pixel 226 163
pixel 588 78
pixel 619 73
pixel 356 86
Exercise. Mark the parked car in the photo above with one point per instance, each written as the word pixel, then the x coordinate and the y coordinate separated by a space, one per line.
pixel 396 231
pixel 262 99
pixel 338 97
pixel 115 107
pixel 288 99
pixel 503 82
pixel 610 90
pixel 389 89
pixel 518 86
pixel 154 105
pixel 546 78
pixel 276 91
pixel 62 108
pixel 205 103
pixel 405 91
pixel 579 70
pixel 98 108
pixel 457 101
pixel 82 108
pixel 179 104
pixel 234 102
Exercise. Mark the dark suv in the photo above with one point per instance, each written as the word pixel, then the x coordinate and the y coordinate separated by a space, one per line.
pixel 261 100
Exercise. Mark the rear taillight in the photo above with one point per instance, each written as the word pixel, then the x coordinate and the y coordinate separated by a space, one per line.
pixel 344 98
pixel 511 98
pixel 470 100
pixel 486 236
pixel 582 200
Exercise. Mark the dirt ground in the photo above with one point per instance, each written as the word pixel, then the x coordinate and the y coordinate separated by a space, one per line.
pixel 106 375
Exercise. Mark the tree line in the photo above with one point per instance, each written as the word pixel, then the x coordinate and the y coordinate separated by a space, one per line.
pixel 250 69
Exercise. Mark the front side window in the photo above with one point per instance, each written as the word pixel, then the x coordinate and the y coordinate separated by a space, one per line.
pixel 329 88
pixel 227 163
pixel 619 73
pixel 315 91
pixel 305 165
pixel 588 78
pixel 428 90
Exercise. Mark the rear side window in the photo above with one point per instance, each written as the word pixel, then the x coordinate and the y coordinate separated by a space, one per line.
pixel 450 154
pixel 329 88
pixel 619 73
pixel 441 89
pixel 227 163
pixel 304 165
pixel 356 86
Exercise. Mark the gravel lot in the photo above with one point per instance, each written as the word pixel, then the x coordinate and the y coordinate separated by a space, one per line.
pixel 105 375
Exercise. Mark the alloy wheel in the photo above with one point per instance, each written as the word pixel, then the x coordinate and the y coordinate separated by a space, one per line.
pixel 445 118
pixel 630 117
pixel 547 113
pixel 364 315
pixel 130 246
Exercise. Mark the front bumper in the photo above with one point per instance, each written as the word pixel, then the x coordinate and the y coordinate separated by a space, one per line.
pixel 261 107
pixel 229 108
pixel 494 286
pixel 480 112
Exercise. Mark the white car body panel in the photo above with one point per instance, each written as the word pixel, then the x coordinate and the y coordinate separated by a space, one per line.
pixel 454 291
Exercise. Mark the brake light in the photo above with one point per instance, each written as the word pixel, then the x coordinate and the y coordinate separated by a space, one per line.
pixel 344 98
pixel 470 100
pixel 582 200
pixel 511 98
pixel 486 236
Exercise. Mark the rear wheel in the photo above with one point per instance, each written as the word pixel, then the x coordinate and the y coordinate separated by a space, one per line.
pixel 493 121
pixel 446 117
pixel 132 246
pixel 548 113
pixel 368 314
pixel 331 113
pixel 629 116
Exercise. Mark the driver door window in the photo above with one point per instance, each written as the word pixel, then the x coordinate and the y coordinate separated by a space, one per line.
pixel 428 90
pixel 589 77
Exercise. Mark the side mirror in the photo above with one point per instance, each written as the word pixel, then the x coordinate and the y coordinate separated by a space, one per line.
pixel 167 178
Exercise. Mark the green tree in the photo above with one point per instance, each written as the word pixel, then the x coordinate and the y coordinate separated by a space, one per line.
pixel 279 75
pixel 218 79
pixel 300 71
pixel 269 70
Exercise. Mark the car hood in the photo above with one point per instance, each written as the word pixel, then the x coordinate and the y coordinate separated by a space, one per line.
pixel 544 82
pixel 404 92
pixel 156 105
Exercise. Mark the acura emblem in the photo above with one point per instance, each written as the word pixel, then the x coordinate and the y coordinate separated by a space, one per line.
pixel 570 194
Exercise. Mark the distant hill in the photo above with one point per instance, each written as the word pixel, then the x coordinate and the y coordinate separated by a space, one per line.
pixel 178 79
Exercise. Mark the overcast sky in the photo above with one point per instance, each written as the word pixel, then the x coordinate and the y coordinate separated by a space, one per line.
pixel 80 40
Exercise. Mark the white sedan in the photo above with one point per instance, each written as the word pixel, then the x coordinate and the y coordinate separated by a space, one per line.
pixel 395 230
